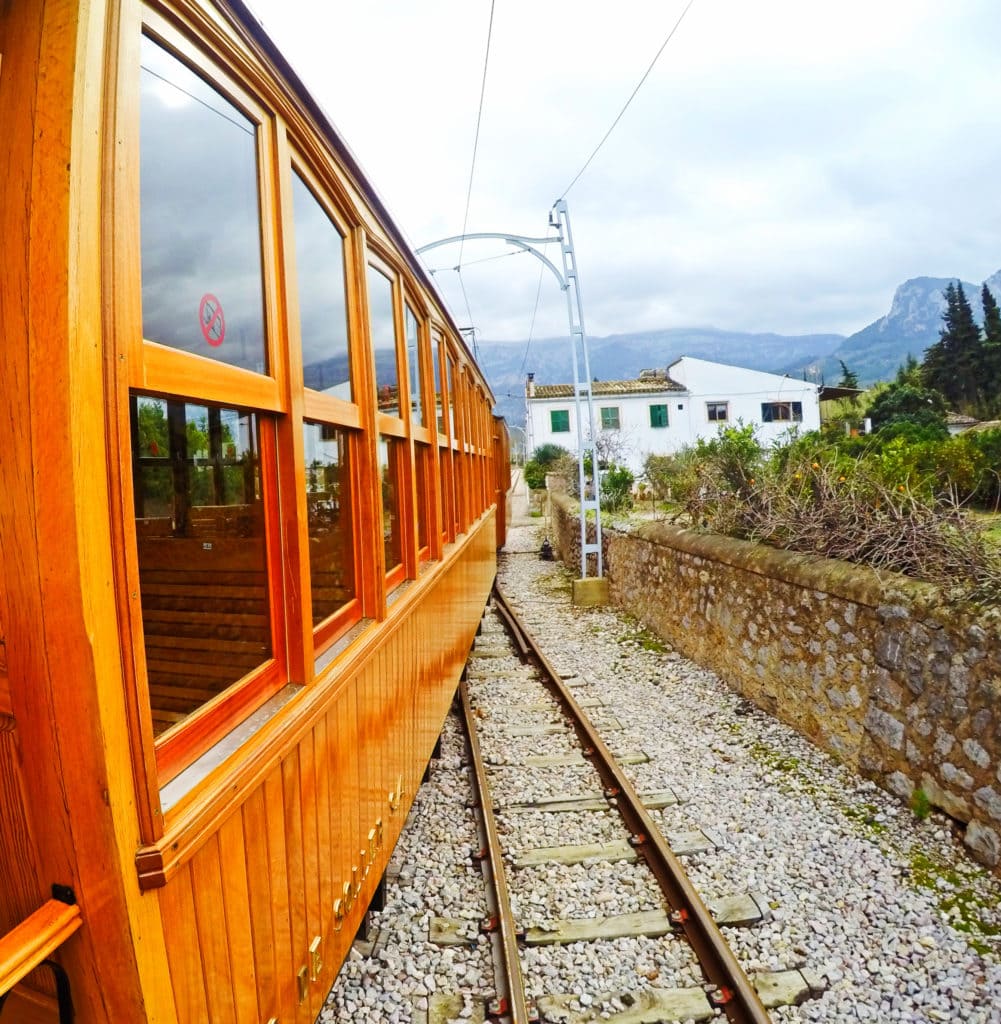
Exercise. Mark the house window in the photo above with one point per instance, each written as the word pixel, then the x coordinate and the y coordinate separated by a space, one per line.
pixel 782 412
pixel 559 421
pixel 717 412
pixel 658 415
pixel 610 418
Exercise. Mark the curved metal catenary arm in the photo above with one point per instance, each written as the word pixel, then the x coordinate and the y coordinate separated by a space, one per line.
pixel 519 241
pixel 582 384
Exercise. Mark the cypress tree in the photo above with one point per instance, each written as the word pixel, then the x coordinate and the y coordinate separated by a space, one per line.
pixel 991 375
pixel 953 365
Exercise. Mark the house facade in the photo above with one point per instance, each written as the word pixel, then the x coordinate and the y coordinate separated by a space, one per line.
pixel 665 410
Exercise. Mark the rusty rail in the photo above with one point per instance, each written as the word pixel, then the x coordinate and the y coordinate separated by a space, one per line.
pixel 732 991
pixel 512 1004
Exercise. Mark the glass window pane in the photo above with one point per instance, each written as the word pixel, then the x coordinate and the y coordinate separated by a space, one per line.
pixel 436 370
pixel 417 412
pixel 380 312
pixel 391 453
pixel 202 557
pixel 202 285
pixel 450 384
pixel 331 529
pixel 319 265
pixel 422 470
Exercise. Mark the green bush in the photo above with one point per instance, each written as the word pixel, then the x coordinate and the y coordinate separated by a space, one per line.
pixel 616 489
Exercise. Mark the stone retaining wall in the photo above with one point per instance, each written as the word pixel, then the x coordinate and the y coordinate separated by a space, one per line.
pixel 877 669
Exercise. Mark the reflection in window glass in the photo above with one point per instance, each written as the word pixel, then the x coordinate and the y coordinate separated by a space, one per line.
pixel 380 312
pixel 202 286
pixel 202 558
pixel 447 492
pixel 331 534
pixel 436 370
pixel 422 470
pixel 414 369
pixel 319 264
pixel 391 454
pixel 450 384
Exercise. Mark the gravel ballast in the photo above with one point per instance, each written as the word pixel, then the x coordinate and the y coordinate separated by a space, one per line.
pixel 902 924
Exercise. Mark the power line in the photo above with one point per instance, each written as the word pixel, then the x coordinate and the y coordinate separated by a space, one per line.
pixel 646 75
pixel 479 118
pixel 531 329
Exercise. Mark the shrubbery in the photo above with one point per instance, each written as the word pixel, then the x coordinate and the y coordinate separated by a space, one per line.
pixel 890 502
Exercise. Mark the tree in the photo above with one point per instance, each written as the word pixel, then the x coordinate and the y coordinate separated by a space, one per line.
pixel 849 378
pixel 908 403
pixel 991 378
pixel 953 365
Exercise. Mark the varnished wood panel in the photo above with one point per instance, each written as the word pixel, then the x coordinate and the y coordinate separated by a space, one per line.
pixel 240 916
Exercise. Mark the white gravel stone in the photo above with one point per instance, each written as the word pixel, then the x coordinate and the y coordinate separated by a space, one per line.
pixel 890 909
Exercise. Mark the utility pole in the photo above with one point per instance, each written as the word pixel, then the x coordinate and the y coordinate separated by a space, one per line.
pixel 569 281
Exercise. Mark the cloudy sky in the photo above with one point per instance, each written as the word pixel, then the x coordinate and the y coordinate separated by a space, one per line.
pixel 786 164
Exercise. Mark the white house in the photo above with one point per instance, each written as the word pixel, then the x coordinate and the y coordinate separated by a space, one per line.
pixel 663 411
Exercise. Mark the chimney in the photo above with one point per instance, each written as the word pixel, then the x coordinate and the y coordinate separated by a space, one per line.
pixel 530 386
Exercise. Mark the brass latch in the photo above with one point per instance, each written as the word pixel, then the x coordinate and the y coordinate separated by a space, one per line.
pixel 302 983
pixel 315 960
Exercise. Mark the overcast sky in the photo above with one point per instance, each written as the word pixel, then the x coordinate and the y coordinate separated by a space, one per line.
pixel 784 167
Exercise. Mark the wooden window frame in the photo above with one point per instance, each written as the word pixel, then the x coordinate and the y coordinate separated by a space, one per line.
pixel 161 371
pixel 712 412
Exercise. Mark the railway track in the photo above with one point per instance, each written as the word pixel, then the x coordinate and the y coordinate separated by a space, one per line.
pixel 615 884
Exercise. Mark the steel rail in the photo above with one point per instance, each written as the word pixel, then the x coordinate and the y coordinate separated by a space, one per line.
pixel 512 1003
pixel 732 991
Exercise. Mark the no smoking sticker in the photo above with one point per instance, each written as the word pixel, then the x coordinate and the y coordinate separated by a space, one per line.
pixel 211 320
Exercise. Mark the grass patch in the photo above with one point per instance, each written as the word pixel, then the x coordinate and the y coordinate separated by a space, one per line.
pixel 956 896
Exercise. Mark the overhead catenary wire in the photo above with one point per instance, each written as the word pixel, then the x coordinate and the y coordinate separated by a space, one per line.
pixel 476 138
pixel 632 96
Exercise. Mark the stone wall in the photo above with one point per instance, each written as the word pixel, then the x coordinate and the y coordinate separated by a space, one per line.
pixel 878 669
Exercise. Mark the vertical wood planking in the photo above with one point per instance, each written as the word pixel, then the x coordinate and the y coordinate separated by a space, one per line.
pixel 210 924
pixel 255 840
pixel 240 916
pixel 177 907
pixel 295 859
pixel 236 903
pixel 310 855
pixel 274 807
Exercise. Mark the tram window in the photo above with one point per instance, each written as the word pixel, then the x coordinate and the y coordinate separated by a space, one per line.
pixel 319 248
pixel 331 519
pixel 439 397
pixel 423 471
pixel 417 411
pixel 202 284
pixel 450 365
pixel 392 452
pixel 380 305
pixel 202 555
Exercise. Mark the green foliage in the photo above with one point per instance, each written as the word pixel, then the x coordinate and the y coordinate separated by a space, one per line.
pixel 849 379
pixel 543 461
pixel 616 489
pixel 547 454
pixel 920 804
pixel 892 503
pixel 734 454
pixel 910 403
pixel 535 475
pixel 662 474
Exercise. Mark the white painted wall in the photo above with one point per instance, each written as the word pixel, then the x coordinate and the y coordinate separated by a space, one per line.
pixel 744 391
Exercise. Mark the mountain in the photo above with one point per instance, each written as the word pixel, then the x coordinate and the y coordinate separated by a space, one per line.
pixel 622 356
pixel 912 324
pixel 873 353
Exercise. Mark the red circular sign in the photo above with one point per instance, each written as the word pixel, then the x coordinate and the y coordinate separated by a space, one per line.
pixel 211 320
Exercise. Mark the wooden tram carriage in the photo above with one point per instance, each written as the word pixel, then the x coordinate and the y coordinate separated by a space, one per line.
pixel 251 495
